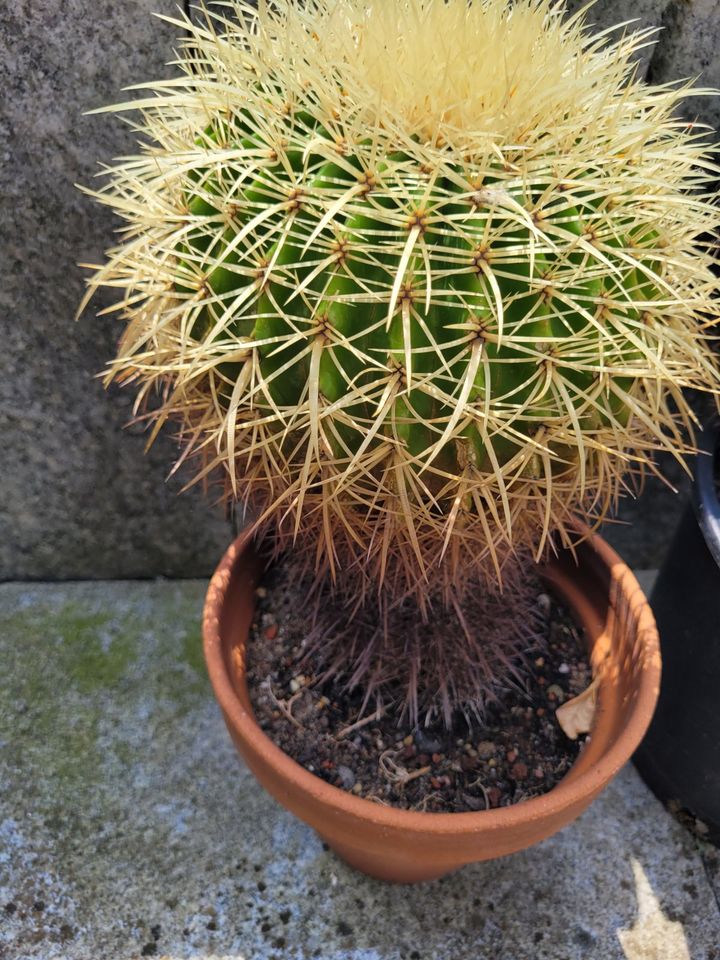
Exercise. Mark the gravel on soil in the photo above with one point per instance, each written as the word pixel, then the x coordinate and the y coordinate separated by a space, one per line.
pixel 517 752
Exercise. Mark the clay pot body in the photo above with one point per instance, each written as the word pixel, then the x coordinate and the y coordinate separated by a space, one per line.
pixel 406 846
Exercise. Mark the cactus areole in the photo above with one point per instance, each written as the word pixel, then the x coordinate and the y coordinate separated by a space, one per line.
pixel 422 280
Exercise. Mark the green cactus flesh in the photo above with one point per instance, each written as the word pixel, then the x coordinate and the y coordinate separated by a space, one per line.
pixel 432 338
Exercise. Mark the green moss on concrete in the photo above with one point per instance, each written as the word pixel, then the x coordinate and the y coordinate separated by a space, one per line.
pixel 79 662
pixel 192 652
pixel 63 649
pixel 97 653
pixel 87 651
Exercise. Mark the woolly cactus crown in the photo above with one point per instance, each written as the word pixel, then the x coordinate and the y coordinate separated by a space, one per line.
pixel 422 277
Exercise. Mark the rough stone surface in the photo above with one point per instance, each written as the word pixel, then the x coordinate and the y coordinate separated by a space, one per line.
pixel 79 498
pixel 605 14
pixel 129 828
pixel 686 46
pixel 690 49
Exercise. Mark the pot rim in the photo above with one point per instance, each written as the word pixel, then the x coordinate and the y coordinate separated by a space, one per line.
pixel 559 798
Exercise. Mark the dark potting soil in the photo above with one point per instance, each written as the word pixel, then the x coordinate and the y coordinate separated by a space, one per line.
pixel 519 750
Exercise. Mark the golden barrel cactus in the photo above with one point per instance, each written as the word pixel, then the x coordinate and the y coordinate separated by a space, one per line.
pixel 424 279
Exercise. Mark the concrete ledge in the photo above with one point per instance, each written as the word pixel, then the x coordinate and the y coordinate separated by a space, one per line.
pixel 129 828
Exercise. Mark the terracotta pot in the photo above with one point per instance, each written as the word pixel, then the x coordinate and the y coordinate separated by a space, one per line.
pixel 405 846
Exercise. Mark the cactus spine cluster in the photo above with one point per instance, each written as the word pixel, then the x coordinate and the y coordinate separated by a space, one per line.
pixel 425 279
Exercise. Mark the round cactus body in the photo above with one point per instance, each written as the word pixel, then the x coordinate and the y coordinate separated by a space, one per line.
pixel 424 278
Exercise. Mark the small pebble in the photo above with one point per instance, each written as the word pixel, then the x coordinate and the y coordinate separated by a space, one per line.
pixel 260 592
pixel 540 662
pixel 563 668
pixel 494 796
pixel 271 632
pixel 544 603
pixel 540 711
pixel 346 777
pixel 555 692
pixel 539 773
pixel 426 742
pixel 512 756
pixel 357 788
pixel 519 770
pixel 485 749
pixel 408 740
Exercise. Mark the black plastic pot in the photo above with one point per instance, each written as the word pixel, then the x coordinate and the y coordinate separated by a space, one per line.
pixel 680 756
